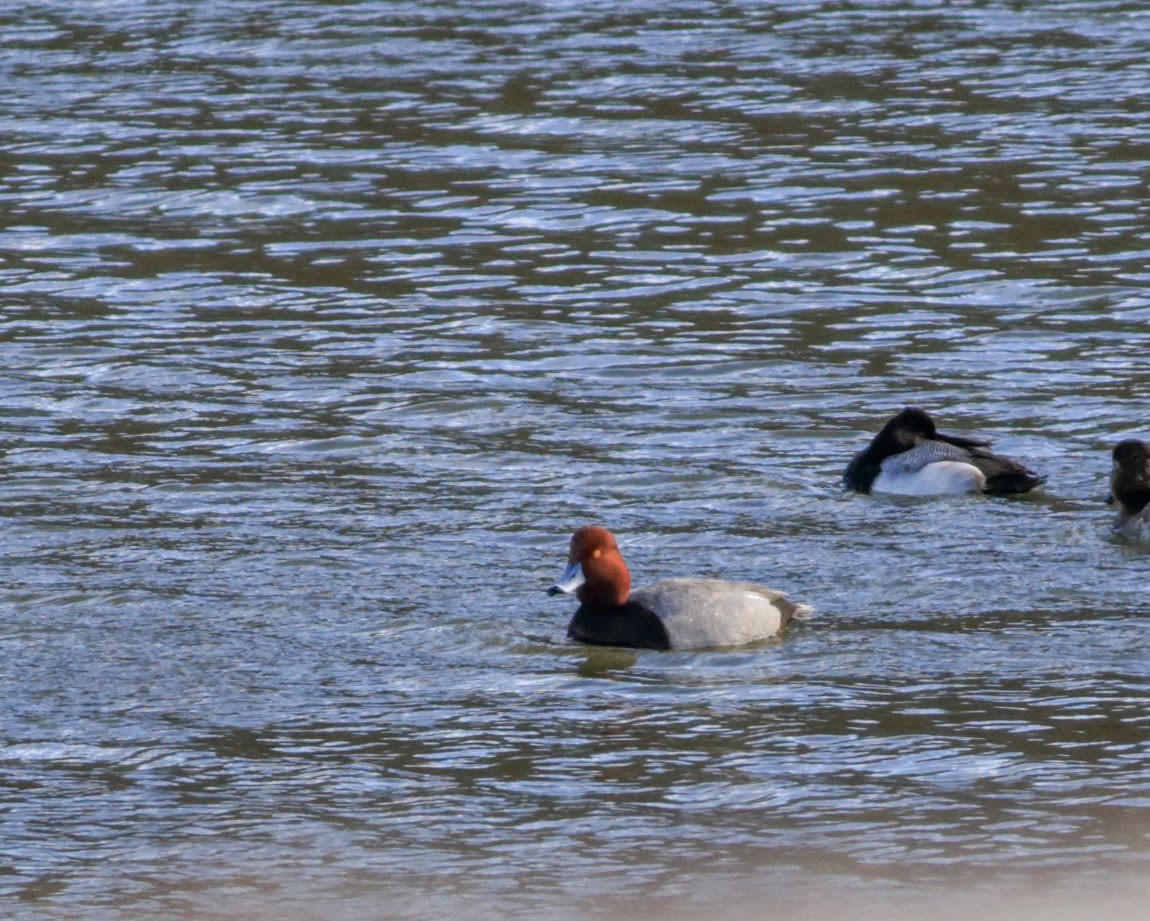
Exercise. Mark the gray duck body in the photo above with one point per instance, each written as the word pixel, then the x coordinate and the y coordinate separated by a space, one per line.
pixel 697 613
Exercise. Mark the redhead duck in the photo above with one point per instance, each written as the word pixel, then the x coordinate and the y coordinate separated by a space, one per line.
pixel 672 613
pixel 1130 487
pixel 910 457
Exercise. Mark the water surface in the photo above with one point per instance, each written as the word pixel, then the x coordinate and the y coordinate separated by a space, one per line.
pixel 323 325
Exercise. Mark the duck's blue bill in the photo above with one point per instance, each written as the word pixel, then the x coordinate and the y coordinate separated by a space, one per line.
pixel 571 579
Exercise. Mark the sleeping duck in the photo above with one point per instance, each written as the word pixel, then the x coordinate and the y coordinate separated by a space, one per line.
pixel 910 457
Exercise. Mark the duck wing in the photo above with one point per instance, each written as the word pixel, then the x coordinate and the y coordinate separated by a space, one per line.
pixel 972 444
pixel 1003 475
pixel 926 452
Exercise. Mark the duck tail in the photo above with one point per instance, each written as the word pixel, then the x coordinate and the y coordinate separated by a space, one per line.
pixel 802 611
pixel 1013 482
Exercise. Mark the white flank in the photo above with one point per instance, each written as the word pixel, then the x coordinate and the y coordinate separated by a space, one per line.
pixel 942 478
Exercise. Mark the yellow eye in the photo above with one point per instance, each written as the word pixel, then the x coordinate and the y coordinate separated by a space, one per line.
pixel 596 554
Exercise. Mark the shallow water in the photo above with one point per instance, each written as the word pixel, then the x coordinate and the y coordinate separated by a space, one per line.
pixel 323 325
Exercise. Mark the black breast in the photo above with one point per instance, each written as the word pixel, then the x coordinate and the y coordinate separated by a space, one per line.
pixel 627 624
pixel 861 472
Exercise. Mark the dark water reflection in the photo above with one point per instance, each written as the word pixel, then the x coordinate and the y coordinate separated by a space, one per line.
pixel 324 324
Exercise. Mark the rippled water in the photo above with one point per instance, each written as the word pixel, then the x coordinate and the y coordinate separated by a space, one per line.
pixel 323 325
